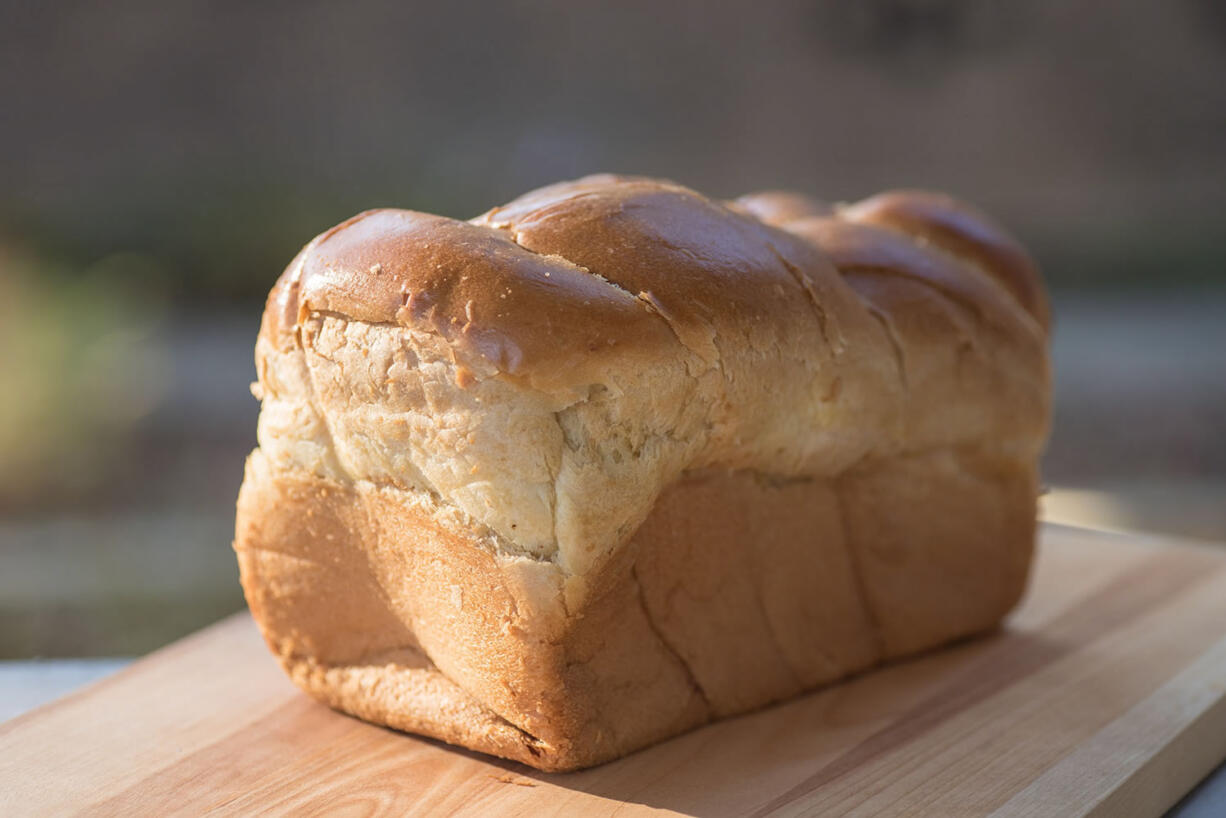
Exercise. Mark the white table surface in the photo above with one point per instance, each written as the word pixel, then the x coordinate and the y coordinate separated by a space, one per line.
pixel 26 685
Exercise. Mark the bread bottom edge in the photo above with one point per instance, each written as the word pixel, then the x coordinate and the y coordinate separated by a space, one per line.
pixel 425 703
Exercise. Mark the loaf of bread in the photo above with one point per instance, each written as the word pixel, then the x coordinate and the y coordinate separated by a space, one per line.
pixel 615 460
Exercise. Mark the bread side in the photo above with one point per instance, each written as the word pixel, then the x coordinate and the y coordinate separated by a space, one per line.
pixel 614 460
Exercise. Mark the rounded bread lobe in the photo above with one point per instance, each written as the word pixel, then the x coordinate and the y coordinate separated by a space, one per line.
pixel 527 316
pixel 975 364
pixel 795 369
pixel 963 231
pixel 944 282
pixel 780 206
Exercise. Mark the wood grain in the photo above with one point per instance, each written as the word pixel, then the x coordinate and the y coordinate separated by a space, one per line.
pixel 1104 695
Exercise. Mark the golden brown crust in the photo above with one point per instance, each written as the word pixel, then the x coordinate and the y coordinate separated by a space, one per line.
pixel 779 207
pixel 615 459
pixel 965 232
pixel 497 304
pixel 965 350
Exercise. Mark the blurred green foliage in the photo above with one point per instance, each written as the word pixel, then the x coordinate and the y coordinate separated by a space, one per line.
pixel 79 368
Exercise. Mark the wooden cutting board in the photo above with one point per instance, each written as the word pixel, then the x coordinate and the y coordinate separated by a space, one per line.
pixel 1104 695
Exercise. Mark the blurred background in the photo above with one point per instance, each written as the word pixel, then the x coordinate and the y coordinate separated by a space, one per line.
pixel 160 163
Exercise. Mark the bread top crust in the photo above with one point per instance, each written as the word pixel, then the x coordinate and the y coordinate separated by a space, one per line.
pixel 501 307
pixel 964 232
pixel 581 347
